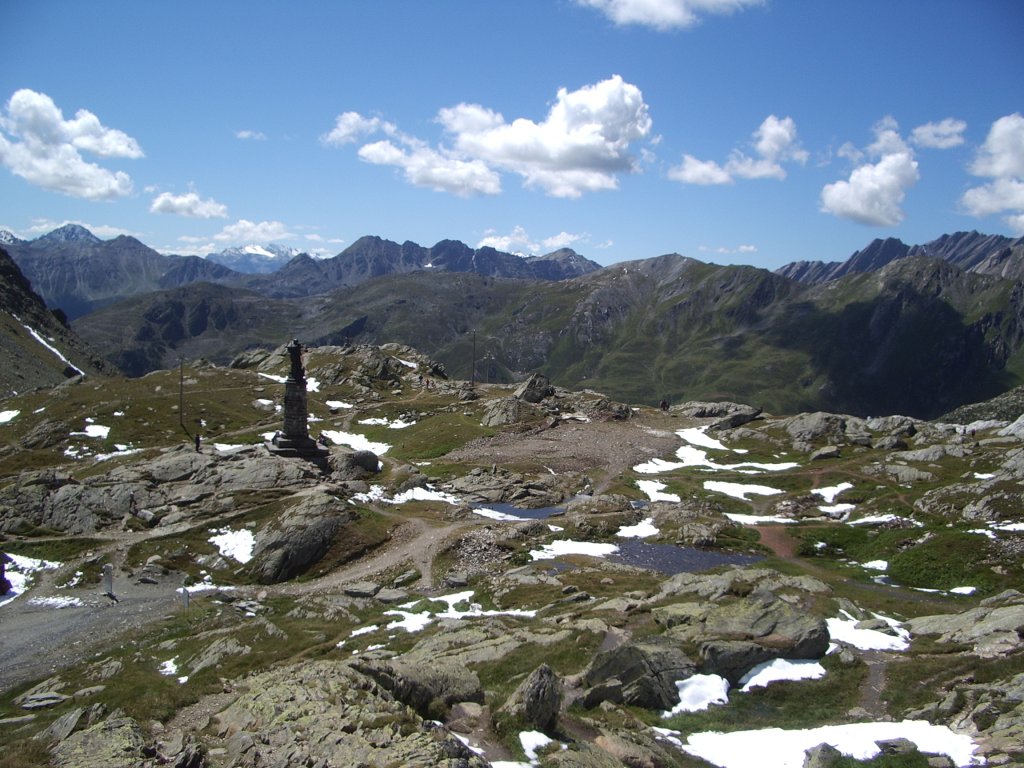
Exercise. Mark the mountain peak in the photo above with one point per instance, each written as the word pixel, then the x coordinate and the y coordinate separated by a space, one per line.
pixel 69 233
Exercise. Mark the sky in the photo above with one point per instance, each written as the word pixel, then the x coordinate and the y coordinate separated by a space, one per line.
pixel 732 131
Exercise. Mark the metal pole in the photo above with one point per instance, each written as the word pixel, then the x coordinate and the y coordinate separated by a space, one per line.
pixel 472 375
pixel 181 392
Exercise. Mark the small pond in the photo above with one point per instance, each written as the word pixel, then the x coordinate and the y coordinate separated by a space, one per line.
pixel 670 559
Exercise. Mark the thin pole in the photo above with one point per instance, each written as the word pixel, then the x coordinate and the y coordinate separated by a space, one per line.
pixel 472 375
pixel 181 392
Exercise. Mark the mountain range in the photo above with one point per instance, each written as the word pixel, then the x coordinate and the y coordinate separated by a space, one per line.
pixel 917 330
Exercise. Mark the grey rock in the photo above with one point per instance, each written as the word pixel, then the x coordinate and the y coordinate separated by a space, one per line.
pixel 808 427
pixel 389 595
pixel 736 417
pixel 826 452
pixel 647 672
pixel 897 746
pixel 505 410
pixel 116 742
pixel 534 389
pixel 537 699
pixel 362 589
pixel 344 718
pixel 299 538
pixel 823 755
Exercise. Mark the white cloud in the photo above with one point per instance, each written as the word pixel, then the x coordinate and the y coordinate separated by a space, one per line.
pixel 350 127
pixel 561 240
pixel 774 142
pixel 581 146
pixel 875 191
pixel 518 241
pixel 941 135
pixel 244 231
pixel 247 135
pixel 1000 158
pixel 45 149
pixel 189 204
pixel 694 171
pixel 664 14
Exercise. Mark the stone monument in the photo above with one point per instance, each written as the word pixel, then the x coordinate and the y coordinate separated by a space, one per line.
pixel 294 440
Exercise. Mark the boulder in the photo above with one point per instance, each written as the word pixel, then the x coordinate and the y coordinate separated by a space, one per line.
pixel 824 755
pixel 505 410
pixel 116 742
pixel 299 539
pixel 826 452
pixel 534 389
pixel 740 415
pixel 644 674
pixel 320 713
pixel 424 687
pixel 808 427
pixel 537 699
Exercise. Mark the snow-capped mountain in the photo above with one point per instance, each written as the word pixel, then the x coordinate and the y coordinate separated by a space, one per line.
pixel 254 259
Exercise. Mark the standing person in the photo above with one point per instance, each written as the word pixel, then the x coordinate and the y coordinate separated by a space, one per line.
pixel 199 441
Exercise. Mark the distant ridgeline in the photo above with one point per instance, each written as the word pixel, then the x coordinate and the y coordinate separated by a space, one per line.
pixel 917 330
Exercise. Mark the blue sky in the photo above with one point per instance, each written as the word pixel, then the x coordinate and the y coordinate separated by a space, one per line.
pixel 731 131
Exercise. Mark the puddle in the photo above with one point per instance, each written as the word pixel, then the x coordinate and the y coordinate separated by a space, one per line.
pixel 670 559
pixel 521 513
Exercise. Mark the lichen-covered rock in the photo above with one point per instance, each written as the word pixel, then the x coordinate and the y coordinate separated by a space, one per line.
pixel 116 742
pixel 424 687
pixel 327 713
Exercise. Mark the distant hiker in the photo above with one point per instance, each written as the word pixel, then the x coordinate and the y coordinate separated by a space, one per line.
pixel 664 405
pixel 199 442
pixel 133 506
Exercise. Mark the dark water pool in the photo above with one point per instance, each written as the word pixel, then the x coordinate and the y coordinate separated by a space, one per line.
pixel 670 559
pixel 540 513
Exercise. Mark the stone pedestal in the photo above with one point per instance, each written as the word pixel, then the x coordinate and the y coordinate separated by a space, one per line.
pixel 295 439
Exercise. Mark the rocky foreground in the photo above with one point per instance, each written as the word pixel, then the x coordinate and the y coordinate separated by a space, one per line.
pixel 483 575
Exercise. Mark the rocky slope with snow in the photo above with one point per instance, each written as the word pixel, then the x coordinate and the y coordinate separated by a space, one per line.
pixel 499 575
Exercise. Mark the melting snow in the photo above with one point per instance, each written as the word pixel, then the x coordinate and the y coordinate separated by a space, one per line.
pixel 390 424
pixel 876 565
pixel 742 519
pixel 570 547
pixel 19 572
pixel 237 545
pixel 698 692
pixel 36 335
pixel 829 494
pixel 337 404
pixel 355 442
pixel 93 430
pixel 641 530
pixel 6 416
pixel 845 630
pixel 738 490
pixel 781 669
pixel 494 514
pixel 653 489
pixel 778 748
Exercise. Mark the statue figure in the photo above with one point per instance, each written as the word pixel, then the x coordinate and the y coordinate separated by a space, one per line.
pixel 295 353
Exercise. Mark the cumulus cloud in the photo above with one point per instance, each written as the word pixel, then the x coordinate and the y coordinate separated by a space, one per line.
pixel 38 144
pixel 941 135
pixel 875 191
pixel 350 127
pixel 188 204
pixel 244 231
pixel 583 144
pixel 1001 159
pixel 664 14
pixel 561 240
pixel 247 135
pixel 774 142
pixel 519 241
